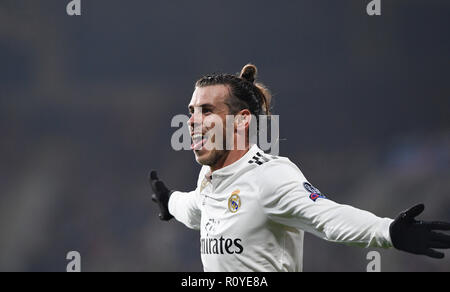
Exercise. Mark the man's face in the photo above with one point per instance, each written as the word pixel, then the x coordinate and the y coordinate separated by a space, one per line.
pixel 207 109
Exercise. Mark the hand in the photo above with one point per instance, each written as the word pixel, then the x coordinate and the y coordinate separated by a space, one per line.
pixel 161 195
pixel 419 237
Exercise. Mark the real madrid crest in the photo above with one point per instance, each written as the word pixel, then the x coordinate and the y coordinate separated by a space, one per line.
pixel 234 202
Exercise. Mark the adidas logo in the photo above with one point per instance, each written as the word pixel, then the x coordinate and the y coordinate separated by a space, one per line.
pixel 260 159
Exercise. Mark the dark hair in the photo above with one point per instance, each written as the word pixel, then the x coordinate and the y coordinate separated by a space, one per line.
pixel 245 93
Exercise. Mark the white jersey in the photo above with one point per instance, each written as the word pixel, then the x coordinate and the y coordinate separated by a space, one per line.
pixel 253 213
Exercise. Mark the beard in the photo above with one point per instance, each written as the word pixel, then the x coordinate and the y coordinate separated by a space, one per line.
pixel 212 158
pixel 219 152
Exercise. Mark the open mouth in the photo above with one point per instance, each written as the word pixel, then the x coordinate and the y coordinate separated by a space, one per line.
pixel 198 141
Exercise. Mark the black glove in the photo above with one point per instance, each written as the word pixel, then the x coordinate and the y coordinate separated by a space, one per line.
pixel 161 195
pixel 419 237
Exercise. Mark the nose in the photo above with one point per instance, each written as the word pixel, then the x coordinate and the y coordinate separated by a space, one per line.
pixel 190 122
pixel 195 120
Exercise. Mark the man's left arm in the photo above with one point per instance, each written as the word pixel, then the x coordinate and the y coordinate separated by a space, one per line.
pixel 290 200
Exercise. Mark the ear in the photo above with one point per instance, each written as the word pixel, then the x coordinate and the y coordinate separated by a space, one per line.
pixel 242 119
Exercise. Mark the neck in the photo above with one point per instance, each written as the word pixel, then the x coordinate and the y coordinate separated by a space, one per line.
pixel 230 157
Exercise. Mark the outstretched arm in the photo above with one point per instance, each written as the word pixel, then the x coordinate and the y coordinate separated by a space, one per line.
pixel 290 200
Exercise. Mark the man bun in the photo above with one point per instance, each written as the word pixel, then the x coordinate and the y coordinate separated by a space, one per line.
pixel 249 73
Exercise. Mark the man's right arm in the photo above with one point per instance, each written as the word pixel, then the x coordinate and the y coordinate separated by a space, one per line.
pixel 184 207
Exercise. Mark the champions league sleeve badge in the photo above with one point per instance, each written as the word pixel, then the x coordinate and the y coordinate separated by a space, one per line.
pixel 314 192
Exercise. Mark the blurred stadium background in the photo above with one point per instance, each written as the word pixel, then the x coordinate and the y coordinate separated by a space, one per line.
pixel 86 104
